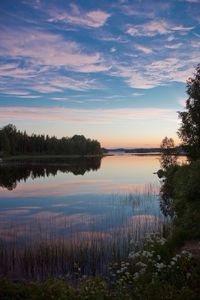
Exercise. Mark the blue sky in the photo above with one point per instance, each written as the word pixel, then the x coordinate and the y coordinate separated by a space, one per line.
pixel 115 71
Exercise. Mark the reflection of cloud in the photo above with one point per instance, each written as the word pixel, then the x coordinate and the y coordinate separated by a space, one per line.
pixel 16 211
pixel 63 187
pixel 139 225
pixel 142 219
pixel 90 238
pixel 81 219
pixel 12 234
pixel 138 170
pixel 46 215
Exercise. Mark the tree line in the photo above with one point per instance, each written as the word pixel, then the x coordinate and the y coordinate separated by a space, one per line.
pixel 15 142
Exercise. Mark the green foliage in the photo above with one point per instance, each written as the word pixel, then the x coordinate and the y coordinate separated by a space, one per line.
pixel 168 153
pixel 94 289
pixel 189 130
pixel 180 192
pixel 14 142
pixel 50 289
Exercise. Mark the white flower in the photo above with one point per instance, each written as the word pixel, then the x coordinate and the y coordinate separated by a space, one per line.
pixel 174 259
pixel 140 264
pixel 160 266
pixel 136 275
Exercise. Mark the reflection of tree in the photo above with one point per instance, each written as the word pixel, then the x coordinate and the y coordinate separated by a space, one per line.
pixel 167 191
pixel 12 173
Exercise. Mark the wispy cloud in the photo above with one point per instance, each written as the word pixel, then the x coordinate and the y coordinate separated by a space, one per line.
pixel 76 16
pixel 137 94
pixel 155 27
pixel 193 1
pixel 61 83
pixel 84 116
pixel 42 48
pixel 143 49
pixel 174 46
pixel 149 74
pixel 41 56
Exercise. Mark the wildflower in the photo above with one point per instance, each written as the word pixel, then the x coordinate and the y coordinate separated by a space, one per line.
pixel 127 273
pixel 174 259
pixel 136 275
pixel 160 266
pixel 162 241
pixel 140 264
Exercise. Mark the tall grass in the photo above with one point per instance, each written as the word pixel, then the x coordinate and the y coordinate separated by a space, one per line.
pixel 44 251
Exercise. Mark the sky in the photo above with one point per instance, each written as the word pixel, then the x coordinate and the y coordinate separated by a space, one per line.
pixel 112 70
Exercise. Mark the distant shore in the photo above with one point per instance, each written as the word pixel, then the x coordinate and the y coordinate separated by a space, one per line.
pixel 47 156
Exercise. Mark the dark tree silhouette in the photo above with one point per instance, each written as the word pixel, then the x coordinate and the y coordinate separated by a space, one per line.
pixel 15 142
pixel 189 131
pixel 168 153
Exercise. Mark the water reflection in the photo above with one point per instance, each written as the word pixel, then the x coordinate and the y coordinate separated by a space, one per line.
pixel 13 172
pixel 85 220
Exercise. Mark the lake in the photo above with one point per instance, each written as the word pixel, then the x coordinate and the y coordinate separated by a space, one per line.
pixel 76 215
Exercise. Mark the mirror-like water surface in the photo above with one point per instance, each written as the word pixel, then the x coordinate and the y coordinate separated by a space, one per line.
pixel 85 211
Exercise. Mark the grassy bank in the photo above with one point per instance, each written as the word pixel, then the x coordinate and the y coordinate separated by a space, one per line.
pixel 153 273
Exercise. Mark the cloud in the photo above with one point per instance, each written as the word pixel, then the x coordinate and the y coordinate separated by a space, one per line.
pixel 157 72
pixel 156 27
pixel 41 48
pixel 18 94
pixel 61 83
pixel 136 78
pixel 174 46
pixel 83 116
pixel 113 49
pixel 14 70
pixel 137 94
pixel 193 1
pixel 42 88
pixel 39 58
pixel 144 49
pixel 92 19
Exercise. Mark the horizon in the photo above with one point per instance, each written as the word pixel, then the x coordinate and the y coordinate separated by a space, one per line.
pixel 115 72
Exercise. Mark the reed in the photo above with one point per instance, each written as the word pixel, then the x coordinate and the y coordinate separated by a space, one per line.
pixel 45 251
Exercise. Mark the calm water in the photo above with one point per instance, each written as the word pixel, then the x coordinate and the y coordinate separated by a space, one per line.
pixel 102 202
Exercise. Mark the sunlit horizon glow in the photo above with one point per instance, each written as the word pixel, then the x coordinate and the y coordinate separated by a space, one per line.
pixel 114 71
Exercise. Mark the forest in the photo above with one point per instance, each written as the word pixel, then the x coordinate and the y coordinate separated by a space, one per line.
pixel 15 142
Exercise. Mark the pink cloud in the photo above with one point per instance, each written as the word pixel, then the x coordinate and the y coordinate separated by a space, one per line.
pixel 92 19
pixel 42 48
pixel 156 27
pixel 144 49
pixel 87 116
